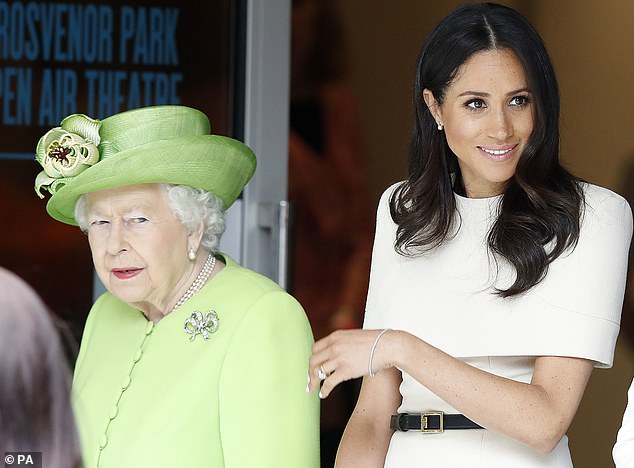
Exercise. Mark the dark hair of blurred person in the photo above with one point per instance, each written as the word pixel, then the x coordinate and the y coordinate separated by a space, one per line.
pixel 317 43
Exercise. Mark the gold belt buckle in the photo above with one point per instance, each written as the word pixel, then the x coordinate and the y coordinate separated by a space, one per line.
pixel 424 423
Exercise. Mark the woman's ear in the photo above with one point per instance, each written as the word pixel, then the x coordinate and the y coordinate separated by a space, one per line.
pixel 432 105
pixel 195 236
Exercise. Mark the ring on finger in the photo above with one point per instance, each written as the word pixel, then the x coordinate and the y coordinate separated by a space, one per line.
pixel 321 373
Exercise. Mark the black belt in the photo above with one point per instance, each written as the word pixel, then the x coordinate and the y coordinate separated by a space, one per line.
pixel 431 421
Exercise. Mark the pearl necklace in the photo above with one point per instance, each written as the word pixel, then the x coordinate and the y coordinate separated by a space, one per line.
pixel 199 282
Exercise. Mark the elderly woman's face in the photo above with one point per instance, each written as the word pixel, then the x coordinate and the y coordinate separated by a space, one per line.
pixel 138 245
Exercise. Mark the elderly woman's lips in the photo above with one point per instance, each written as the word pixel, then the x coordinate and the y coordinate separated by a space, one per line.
pixel 126 273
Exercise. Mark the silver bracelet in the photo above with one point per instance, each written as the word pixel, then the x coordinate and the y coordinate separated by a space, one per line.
pixel 372 374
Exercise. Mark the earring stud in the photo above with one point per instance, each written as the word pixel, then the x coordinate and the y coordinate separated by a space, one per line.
pixel 191 255
pixel 440 126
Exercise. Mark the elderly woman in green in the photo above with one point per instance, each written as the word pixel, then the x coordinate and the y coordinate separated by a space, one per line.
pixel 188 359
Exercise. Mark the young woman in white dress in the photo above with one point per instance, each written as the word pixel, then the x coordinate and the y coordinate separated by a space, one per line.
pixel 497 276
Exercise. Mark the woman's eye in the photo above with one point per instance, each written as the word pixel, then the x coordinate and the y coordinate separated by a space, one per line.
pixel 519 101
pixel 139 220
pixel 476 104
pixel 99 222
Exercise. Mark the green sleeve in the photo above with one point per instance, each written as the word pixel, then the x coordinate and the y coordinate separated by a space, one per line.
pixel 266 417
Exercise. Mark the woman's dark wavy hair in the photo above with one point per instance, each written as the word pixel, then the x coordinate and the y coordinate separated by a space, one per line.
pixel 542 203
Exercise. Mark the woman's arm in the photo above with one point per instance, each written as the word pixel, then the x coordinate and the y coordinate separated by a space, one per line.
pixel 623 452
pixel 537 414
pixel 266 417
pixel 367 435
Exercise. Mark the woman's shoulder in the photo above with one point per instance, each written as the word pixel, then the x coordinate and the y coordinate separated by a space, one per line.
pixel 383 208
pixel 606 217
pixel 604 203
pixel 111 313
pixel 110 303
pixel 387 194
pixel 247 279
pixel 255 289
pixel 261 300
pixel 595 194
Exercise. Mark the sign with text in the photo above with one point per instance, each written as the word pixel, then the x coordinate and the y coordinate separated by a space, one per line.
pixel 102 58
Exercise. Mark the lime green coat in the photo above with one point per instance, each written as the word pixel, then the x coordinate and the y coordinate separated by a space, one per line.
pixel 146 396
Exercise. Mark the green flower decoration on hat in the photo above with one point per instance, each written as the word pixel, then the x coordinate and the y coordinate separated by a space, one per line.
pixel 66 151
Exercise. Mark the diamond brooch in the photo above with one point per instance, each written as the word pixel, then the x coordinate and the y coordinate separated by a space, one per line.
pixel 198 324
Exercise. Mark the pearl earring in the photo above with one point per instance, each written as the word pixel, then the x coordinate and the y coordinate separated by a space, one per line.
pixel 440 126
pixel 191 255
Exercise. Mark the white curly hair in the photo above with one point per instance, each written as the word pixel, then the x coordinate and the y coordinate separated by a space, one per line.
pixel 190 205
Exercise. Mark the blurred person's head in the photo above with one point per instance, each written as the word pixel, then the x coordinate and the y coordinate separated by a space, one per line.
pixel 316 43
pixel 35 412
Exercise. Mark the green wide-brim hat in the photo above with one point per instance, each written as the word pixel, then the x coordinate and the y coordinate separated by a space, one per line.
pixel 161 144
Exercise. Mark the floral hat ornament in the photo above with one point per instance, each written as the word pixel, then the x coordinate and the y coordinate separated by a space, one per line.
pixel 159 144
pixel 66 151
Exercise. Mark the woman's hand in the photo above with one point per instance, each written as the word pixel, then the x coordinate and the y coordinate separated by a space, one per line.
pixel 546 405
pixel 345 355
